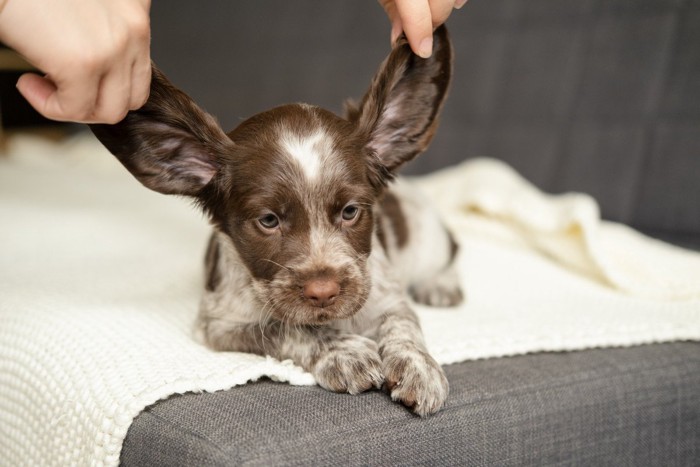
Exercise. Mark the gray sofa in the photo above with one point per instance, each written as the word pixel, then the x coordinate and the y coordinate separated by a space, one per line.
pixel 595 96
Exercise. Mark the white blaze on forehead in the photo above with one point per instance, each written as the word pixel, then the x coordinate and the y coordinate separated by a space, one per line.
pixel 309 151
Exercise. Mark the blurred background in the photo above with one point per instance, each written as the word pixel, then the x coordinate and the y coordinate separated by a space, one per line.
pixel 600 96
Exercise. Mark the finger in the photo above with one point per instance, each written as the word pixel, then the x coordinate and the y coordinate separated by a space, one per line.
pixel 396 27
pixel 113 96
pixel 460 3
pixel 417 24
pixel 390 8
pixel 440 10
pixel 140 83
pixel 56 102
pixel 36 90
pixel 141 66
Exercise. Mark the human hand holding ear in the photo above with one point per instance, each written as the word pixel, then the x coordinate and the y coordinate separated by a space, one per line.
pixel 94 55
pixel 417 19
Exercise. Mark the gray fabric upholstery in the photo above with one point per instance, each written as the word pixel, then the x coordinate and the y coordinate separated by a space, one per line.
pixel 600 96
pixel 638 406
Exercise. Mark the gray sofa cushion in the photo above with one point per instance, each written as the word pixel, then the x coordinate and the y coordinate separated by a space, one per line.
pixel 636 406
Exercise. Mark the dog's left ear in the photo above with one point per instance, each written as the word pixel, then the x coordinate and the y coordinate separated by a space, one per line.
pixel 399 114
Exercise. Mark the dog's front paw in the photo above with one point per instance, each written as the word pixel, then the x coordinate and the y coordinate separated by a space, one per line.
pixel 415 379
pixel 352 365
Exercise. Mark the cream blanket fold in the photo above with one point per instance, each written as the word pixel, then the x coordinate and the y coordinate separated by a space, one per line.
pixel 100 281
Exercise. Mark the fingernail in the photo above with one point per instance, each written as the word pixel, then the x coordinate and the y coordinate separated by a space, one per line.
pixel 460 3
pixel 425 49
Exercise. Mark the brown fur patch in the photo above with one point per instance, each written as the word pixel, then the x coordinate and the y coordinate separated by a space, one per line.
pixel 391 209
pixel 211 264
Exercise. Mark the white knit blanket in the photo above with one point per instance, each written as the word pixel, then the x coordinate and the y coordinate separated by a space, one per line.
pixel 100 280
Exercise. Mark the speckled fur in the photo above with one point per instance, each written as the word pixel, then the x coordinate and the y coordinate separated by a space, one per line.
pixel 338 217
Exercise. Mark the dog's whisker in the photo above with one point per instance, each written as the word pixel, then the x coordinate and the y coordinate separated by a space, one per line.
pixel 265 315
pixel 278 265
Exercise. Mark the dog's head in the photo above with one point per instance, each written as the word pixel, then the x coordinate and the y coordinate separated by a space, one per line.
pixel 294 187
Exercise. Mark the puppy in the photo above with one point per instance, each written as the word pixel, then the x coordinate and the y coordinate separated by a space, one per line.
pixel 313 248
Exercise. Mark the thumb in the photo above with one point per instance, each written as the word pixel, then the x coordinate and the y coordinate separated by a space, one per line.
pixel 417 24
pixel 38 91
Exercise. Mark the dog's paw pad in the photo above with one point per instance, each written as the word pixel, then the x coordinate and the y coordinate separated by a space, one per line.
pixel 416 380
pixel 352 365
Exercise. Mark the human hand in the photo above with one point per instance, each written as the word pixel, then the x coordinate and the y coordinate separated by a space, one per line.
pixel 417 19
pixel 95 55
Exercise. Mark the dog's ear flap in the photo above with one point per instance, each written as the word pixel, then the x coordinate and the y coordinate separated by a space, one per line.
pixel 399 114
pixel 170 145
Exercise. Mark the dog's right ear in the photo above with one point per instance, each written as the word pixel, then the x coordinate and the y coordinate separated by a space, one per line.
pixel 170 144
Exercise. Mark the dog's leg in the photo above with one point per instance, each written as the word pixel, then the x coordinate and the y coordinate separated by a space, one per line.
pixel 442 290
pixel 340 361
pixel 411 375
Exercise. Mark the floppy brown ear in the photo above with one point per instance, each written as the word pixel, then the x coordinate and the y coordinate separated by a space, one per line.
pixel 399 114
pixel 170 145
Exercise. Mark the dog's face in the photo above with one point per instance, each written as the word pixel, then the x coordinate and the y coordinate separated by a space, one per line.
pixel 294 187
pixel 297 203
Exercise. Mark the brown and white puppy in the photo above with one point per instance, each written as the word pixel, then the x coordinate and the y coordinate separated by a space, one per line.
pixel 314 248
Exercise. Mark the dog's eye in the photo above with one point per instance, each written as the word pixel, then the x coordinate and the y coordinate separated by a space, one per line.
pixel 269 221
pixel 350 212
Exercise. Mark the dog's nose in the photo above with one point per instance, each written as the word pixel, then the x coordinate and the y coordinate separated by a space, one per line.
pixel 321 292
